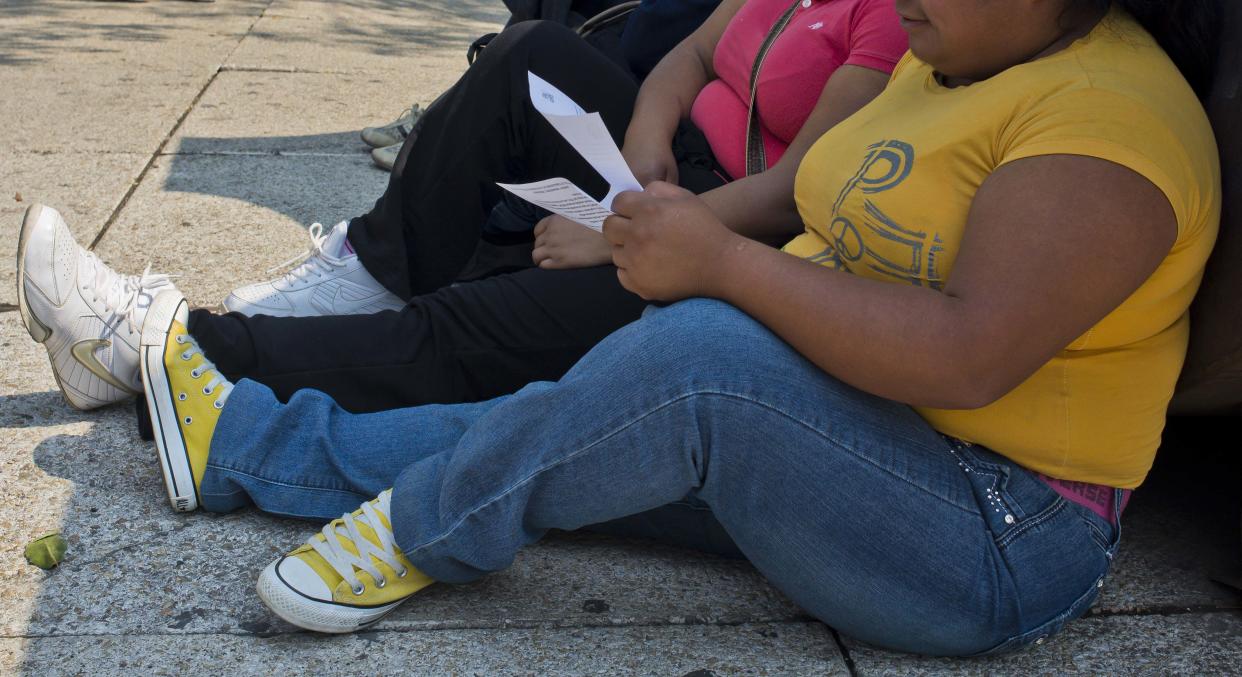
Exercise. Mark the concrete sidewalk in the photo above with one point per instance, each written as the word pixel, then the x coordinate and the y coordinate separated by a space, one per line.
pixel 204 139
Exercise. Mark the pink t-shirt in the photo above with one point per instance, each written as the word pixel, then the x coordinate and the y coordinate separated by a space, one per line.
pixel 822 36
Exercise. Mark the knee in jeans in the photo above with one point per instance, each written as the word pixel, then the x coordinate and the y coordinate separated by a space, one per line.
pixel 715 320
pixel 707 328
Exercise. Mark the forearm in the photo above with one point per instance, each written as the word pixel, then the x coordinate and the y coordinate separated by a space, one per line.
pixel 760 207
pixel 670 89
pixel 905 343
pixel 667 95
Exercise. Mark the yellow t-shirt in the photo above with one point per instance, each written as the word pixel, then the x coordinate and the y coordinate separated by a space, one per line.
pixel 885 195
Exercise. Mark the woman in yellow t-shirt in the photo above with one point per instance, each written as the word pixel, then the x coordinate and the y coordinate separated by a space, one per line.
pixel 918 420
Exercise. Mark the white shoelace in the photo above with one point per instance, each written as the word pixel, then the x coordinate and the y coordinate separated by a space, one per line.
pixel 314 262
pixel 121 293
pixel 404 123
pixel 207 366
pixel 344 561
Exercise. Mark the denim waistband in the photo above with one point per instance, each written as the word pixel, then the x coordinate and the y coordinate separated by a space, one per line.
pixel 1031 488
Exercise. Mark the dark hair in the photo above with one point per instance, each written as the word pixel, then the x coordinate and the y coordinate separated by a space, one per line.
pixel 1188 31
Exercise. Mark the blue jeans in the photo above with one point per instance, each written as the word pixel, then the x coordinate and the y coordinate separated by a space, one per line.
pixel 850 504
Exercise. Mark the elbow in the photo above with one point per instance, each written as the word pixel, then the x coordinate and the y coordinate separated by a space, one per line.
pixel 977 362
pixel 973 380
pixel 972 396
pixel 964 393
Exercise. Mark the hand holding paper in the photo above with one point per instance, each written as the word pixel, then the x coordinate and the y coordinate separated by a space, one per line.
pixel 562 197
pixel 588 135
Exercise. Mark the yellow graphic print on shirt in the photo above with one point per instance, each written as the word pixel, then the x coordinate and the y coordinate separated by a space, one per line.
pixel 902 253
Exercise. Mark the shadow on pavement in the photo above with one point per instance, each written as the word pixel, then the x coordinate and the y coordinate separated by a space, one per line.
pixel 1182 532
pixel 32 31
pixel 37 410
pixel 337 143
pixel 319 177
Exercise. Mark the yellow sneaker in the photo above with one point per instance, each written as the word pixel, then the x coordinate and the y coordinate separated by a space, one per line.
pixel 185 395
pixel 344 578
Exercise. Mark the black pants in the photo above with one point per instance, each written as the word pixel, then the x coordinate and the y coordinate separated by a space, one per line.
pixel 480 339
pixel 424 229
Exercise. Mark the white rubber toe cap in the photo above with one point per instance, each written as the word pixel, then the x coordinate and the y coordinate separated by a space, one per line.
pixel 303 608
pixel 297 574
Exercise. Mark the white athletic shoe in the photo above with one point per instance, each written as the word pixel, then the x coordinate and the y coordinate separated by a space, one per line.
pixel 88 316
pixel 329 281
pixel 394 132
pixel 386 158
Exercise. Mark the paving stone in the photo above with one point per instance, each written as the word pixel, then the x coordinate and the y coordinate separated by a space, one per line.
pixel 150 570
pixel 89 108
pixel 32 501
pixel 222 221
pixel 387 11
pixel 264 112
pixel 1192 644
pixel 134 566
pixel 137 37
pixel 413 46
pixel 84 187
pixel 751 649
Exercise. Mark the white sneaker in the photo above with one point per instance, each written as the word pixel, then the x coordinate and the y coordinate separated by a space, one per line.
pixel 394 132
pixel 329 281
pixel 386 158
pixel 88 316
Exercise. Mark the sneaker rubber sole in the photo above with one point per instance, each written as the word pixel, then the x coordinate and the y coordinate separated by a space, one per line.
pixel 173 455
pixel 313 614
pixel 37 330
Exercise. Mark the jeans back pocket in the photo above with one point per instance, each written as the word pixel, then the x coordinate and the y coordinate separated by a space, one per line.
pixel 1055 559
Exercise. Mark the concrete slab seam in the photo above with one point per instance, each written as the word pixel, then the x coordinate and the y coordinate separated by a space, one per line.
pixel 845 652
pixel 1167 611
pixel 116 213
pixel 284 69
pixel 258 153
pixel 440 627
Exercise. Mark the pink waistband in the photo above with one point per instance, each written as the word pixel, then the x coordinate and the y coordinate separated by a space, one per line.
pixel 1095 497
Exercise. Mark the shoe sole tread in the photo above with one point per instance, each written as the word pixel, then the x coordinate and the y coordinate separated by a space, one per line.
pixel 169 441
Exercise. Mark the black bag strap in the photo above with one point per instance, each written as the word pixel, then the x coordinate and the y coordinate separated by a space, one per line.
pixel 472 52
pixel 756 156
pixel 608 17
pixel 558 11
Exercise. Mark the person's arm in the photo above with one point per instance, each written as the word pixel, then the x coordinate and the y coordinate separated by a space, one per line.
pixel 1043 259
pixel 664 99
pixel 667 95
pixel 762 206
